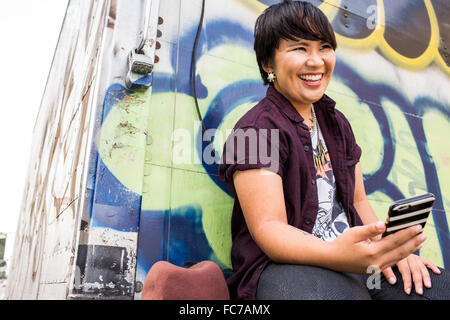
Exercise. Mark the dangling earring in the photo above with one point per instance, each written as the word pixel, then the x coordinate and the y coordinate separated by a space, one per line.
pixel 271 77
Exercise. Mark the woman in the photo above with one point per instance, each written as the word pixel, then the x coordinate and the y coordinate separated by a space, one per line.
pixel 302 227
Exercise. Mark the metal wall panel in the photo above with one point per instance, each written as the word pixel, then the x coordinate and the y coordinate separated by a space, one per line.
pixel 45 238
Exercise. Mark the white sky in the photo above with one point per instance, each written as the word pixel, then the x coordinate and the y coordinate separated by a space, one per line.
pixel 29 31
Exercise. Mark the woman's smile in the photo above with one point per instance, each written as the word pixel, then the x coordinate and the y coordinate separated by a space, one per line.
pixel 311 79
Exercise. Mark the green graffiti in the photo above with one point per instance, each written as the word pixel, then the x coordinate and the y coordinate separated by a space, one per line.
pixel 123 137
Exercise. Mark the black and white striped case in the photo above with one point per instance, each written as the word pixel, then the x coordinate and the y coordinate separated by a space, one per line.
pixel 408 212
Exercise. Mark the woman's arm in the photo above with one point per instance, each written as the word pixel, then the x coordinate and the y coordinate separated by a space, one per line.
pixel 260 194
pixel 360 201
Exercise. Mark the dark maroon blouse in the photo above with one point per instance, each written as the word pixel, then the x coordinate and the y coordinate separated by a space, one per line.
pixel 293 161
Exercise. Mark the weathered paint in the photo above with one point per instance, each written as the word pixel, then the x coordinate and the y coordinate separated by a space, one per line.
pixel 46 239
pixel 138 204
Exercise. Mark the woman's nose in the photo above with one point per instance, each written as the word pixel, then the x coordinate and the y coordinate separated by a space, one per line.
pixel 314 59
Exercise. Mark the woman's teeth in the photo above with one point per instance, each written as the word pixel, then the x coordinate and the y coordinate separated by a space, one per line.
pixel 311 77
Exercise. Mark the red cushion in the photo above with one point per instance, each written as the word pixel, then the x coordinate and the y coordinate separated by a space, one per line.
pixel 202 281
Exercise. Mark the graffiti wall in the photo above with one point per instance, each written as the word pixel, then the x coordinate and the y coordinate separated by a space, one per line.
pixel 155 178
pixel 119 179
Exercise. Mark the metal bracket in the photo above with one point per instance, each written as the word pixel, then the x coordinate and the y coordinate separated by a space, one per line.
pixel 141 59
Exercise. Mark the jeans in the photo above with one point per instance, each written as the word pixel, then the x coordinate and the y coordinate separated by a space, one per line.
pixel 301 282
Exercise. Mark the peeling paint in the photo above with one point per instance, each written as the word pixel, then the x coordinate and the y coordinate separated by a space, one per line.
pixel 44 246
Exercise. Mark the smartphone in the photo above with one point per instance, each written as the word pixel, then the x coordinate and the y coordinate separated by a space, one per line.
pixel 408 212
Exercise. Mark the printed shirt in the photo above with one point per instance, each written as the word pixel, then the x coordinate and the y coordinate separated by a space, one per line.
pixel 293 161
pixel 331 220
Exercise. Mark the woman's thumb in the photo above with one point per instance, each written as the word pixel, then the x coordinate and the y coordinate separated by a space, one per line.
pixel 368 231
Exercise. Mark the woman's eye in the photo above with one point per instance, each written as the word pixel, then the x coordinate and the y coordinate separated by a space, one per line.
pixel 325 46
pixel 301 48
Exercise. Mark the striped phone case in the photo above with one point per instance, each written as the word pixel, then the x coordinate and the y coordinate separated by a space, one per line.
pixel 408 212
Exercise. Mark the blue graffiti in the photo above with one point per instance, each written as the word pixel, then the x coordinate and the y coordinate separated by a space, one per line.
pixel 113 205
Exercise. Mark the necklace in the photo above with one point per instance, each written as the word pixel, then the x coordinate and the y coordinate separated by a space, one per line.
pixel 313 120
pixel 319 159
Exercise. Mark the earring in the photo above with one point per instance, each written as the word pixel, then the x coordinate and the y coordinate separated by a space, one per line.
pixel 271 77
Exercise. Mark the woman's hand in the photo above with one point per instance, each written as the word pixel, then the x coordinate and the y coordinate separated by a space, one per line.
pixel 354 251
pixel 413 269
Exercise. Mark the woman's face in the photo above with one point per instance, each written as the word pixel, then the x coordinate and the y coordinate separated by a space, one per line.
pixel 303 69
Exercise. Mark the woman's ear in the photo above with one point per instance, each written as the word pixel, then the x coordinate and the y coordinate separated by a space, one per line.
pixel 267 67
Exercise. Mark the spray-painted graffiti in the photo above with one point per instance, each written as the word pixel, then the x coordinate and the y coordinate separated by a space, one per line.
pixel 390 81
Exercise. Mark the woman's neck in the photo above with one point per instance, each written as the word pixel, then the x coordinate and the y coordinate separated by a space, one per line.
pixel 304 110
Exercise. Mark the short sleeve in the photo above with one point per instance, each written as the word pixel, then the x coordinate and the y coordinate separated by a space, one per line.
pixel 251 148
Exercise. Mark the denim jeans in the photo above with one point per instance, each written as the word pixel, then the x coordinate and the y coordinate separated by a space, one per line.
pixel 300 282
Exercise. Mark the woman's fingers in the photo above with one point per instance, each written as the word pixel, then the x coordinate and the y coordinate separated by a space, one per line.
pixel 431 265
pixel 390 276
pixel 399 246
pixel 416 272
pixel 404 270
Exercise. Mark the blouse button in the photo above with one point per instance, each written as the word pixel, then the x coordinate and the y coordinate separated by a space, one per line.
pixel 307 222
pixel 313 181
pixel 306 148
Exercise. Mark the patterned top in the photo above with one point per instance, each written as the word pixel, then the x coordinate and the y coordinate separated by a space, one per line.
pixel 331 219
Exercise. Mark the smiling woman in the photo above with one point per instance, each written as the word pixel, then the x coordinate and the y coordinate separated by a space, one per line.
pixel 303 228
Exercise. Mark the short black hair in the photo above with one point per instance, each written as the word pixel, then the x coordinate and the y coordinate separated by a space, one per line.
pixel 289 20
